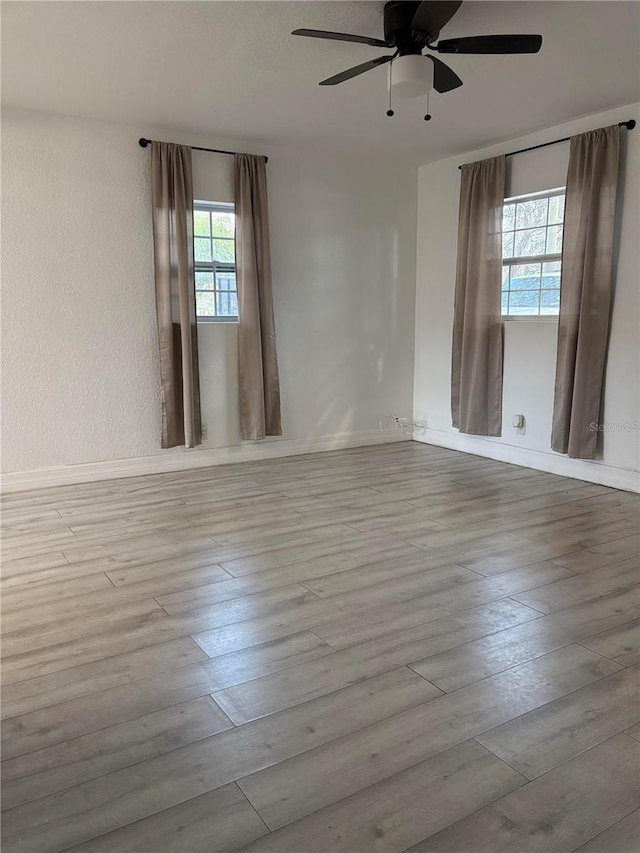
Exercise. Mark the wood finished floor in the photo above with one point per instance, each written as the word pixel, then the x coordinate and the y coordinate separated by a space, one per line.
pixel 380 649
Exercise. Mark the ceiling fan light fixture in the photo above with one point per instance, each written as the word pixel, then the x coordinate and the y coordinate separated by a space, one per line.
pixel 411 76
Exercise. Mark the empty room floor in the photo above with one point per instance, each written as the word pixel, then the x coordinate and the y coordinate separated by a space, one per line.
pixel 386 648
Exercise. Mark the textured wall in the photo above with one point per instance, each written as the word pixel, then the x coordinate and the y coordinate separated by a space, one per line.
pixel 80 380
pixel 79 372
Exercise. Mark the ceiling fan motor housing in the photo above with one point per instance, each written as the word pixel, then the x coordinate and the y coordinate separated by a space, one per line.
pixel 398 15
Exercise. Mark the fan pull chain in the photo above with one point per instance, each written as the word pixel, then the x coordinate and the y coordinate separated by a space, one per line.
pixel 428 114
pixel 390 110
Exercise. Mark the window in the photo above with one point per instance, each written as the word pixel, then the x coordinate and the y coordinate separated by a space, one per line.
pixel 215 261
pixel 531 254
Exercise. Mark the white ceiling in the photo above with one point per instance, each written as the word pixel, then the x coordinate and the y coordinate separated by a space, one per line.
pixel 232 69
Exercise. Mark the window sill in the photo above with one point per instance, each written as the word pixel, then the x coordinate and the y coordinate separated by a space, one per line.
pixel 524 318
pixel 205 321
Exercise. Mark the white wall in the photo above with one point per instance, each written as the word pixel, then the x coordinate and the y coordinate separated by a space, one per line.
pixel 530 346
pixel 79 374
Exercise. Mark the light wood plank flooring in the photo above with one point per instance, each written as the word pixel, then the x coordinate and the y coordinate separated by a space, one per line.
pixel 380 649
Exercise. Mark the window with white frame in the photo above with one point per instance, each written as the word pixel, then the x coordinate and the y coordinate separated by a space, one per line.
pixel 532 253
pixel 215 261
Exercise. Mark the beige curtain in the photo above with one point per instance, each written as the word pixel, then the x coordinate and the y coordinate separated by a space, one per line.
pixel 257 356
pixel 586 290
pixel 172 196
pixel 476 368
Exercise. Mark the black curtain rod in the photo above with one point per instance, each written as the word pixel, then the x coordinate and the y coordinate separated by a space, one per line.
pixel 628 124
pixel 144 142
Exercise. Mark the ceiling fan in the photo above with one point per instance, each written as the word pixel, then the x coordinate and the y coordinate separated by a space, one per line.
pixel 410 27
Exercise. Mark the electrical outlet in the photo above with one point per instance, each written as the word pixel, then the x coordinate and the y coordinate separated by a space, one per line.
pixel 519 423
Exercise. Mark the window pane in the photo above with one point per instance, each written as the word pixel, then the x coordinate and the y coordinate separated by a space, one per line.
pixel 201 224
pixel 551 282
pixel 551 274
pixel 505 277
pixel 524 269
pixel 505 303
pixel 550 302
pixel 223 224
pixel 508 217
pixel 205 305
pixel 226 281
pixel 204 281
pixel 532 213
pixel 202 249
pixel 525 276
pixel 554 239
pixel 529 242
pixel 224 250
pixel 556 209
pixel 524 302
pixel 227 304
pixel 507 245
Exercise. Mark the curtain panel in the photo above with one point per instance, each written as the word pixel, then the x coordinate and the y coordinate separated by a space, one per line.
pixel 257 354
pixel 476 367
pixel 172 199
pixel 586 290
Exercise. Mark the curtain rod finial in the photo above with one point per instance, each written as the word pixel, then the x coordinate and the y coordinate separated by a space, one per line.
pixel 143 142
pixel 630 124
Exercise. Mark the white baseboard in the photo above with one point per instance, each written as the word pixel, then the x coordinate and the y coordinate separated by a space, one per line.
pixel 63 475
pixel 578 469
pixel 87 472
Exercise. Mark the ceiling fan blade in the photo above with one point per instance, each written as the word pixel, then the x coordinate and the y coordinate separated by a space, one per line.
pixel 431 17
pixel 444 79
pixel 324 34
pixel 491 44
pixel 357 69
